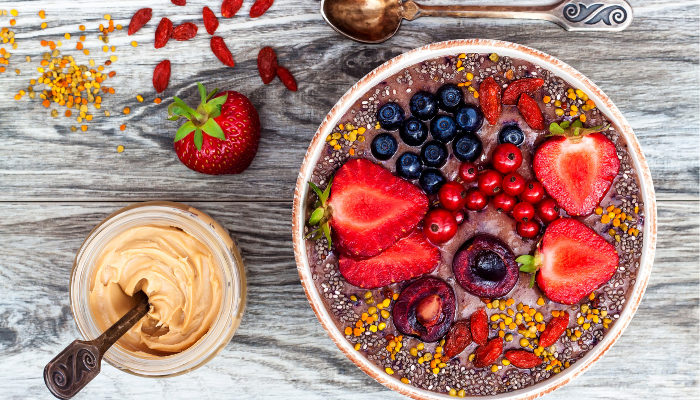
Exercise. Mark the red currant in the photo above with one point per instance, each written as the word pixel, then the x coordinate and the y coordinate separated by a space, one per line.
pixel 533 192
pixel 490 182
pixel 459 216
pixel 528 229
pixel 475 199
pixel 468 172
pixel 504 202
pixel 452 196
pixel 548 210
pixel 513 184
pixel 506 158
pixel 523 212
pixel 439 225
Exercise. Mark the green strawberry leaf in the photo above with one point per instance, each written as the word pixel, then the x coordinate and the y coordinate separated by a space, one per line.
pixel 213 92
pixel 315 231
pixel 327 192
pixel 556 129
pixel 185 107
pixel 577 124
pixel 565 124
pixel 213 129
pixel 319 193
pixel 215 103
pixel 327 233
pixel 316 216
pixel 202 92
pixel 198 138
pixel 184 130
pixel 532 281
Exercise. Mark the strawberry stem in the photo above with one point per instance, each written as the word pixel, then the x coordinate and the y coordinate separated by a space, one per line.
pixel 200 121
pixel 530 264
pixel 322 214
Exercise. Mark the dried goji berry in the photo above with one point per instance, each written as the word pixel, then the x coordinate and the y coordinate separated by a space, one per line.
pixel 139 19
pixel 554 329
pixel 210 20
pixel 457 339
pixel 184 31
pixel 260 7
pixel 490 100
pixel 179 2
pixel 479 327
pixel 522 359
pixel 161 76
pixel 287 78
pixel 267 64
pixel 163 32
pixel 516 88
pixel 229 8
pixel 531 112
pixel 218 47
pixel 488 353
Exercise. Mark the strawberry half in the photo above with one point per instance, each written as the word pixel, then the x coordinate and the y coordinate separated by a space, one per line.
pixel 221 136
pixel 572 261
pixel 410 257
pixel 577 168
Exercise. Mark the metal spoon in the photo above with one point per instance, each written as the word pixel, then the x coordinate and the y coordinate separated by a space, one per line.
pixel 79 363
pixel 374 21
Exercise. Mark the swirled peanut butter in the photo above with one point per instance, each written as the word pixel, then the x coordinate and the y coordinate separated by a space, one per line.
pixel 175 270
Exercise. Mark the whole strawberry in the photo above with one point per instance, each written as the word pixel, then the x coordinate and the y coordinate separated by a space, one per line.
pixel 220 136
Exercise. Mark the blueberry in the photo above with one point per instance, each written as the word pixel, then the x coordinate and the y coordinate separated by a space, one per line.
pixel 424 105
pixel 443 128
pixel 390 116
pixel 431 180
pixel 469 118
pixel 434 154
pixel 449 97
pixel 511 134
pixel 384 146
pixel 467 147
pixel 408 165
pixel 413 132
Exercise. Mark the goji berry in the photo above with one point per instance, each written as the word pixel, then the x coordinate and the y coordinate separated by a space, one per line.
pixel 457 339
pixel 163 32
pixel 161 76
pixel 210 20
pixel 229 8
pixel 490 100
pixel 479 327
pixel 522 359
pixel 287 78
pixel 516 88
pixel 554 329
pixel 139 19
pixel 267 64
pixel 179 2
pixel 531 112
pixel 184 31
pixel 260 7
pixel 218 47
pixel 488 353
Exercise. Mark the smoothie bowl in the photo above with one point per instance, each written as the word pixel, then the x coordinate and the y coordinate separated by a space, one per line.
pixel 474 218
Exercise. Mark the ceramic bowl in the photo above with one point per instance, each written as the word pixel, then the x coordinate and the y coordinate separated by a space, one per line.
pixel 395 65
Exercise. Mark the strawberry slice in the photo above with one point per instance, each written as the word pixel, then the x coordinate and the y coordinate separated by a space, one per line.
pixel 577 169
pixel 572 260
pixel 490 100
pixel 410 257
pixel 371 209
pixel 526 85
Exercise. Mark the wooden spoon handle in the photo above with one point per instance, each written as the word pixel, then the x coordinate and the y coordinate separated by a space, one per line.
pixel 79 363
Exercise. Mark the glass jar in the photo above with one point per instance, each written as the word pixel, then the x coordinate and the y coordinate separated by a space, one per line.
pixel 227 259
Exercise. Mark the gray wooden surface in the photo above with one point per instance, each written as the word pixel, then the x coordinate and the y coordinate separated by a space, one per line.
pixel 55 185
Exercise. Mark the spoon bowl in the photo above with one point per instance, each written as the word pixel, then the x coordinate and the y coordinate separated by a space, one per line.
pixel 367 21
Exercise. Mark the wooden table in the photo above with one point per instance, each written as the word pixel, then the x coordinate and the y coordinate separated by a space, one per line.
pixel 56 185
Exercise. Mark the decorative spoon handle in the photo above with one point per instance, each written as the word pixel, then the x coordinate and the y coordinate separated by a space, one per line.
pixel 573 15
pixel 79 363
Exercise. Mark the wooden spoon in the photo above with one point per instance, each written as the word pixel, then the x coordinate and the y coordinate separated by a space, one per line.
pixel 79 363
pixel 374 21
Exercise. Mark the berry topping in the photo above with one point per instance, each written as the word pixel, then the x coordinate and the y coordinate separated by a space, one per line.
pixel 475 200
pixel 523 212
pixel 528 229
pixel 513 184
pixel 390 116
pixel 425 309
pixel 526 85
pixel 479 327
pixel 468 172
pixel 460 216
pixel 504 202
pixel 489 182
pixel 439 225
pixel 457 339
pixel 572 261
pixel 467 147
pixel 410 257
pixel 511 134
pixel 424 105
pixel 434 154
pixel 469 118
pixel 506 158
pixel 384 146
pixel 532 193
pixel 554 329
pixel 413 132
pixel 452 195
pixel 485 267
pixel 548 210
pixel 531 112
pixel 488 353
pixel 450 97
pixel 408 165
pixel 443 128
pixel 490 100
pixel 431 180
pixel 522 359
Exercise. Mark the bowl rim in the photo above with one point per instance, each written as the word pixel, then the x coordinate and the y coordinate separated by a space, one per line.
pixel 430 51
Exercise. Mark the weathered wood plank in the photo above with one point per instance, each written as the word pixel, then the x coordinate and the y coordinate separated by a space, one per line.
pixel 280 349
